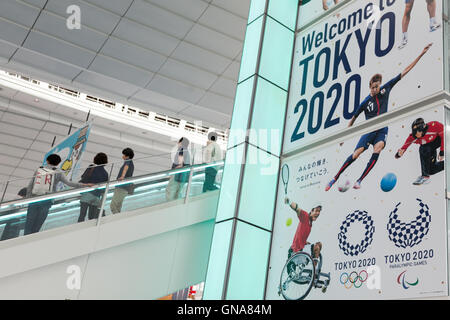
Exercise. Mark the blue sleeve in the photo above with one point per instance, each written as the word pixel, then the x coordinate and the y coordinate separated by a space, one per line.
pixel 391 83
pixel 361 107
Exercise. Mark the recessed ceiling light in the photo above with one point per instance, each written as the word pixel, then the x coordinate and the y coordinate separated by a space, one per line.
pixel 36 100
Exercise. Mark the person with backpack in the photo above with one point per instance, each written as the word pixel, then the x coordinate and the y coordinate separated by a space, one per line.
pixel 95 174
pixel 212 153
pixel 44 181
pixel 126 171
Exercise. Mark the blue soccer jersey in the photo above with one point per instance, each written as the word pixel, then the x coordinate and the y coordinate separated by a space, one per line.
pixel 374 106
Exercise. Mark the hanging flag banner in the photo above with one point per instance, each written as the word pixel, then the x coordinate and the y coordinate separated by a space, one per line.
pixel 70 150
pixel 366 218
pixel 367 59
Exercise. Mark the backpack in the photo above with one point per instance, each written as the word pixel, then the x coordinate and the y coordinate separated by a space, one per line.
pixel 43 182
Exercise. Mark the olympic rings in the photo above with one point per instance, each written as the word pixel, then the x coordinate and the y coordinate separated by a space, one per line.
pixel 354 279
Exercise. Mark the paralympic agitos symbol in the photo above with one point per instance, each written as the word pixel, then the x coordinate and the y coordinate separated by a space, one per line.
pixel 409 234
pixel 405 284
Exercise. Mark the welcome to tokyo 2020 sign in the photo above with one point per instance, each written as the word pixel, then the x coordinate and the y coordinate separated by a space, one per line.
pixel 335 59
pixel 386 240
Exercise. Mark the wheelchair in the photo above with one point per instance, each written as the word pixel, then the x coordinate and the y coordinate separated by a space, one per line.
pixel 300 275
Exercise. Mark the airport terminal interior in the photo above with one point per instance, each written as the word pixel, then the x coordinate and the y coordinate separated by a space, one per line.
pixel 224 149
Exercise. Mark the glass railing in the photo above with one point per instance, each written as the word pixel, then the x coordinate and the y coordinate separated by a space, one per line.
pixel 22 216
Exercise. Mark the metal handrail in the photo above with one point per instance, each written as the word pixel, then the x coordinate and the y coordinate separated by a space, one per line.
pixel 114 183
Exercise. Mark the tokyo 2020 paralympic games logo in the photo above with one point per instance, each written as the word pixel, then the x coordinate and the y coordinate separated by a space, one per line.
pixel 409 234
pixel 354 279
pixel 405 284
pixel 355 249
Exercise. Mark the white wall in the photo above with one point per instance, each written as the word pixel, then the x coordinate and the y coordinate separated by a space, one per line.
pixel 144 254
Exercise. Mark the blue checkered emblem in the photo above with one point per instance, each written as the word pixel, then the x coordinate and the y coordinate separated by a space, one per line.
pixel 409 234
pixel 350 249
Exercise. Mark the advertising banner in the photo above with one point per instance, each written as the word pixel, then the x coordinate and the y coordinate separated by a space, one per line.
pixel 366 218
pixel 311 9
pixel 365 60
pixel 70 150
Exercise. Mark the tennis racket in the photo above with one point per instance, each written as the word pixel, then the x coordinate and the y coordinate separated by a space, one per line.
pixel 285 177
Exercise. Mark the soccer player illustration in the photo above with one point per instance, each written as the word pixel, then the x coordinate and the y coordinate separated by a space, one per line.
pixel 431 7
pixel 430 137
pixel 373 105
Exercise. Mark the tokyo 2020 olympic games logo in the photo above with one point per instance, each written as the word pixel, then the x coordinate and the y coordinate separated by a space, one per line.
pixel 354 279
pixel 350 249
pixel 409 234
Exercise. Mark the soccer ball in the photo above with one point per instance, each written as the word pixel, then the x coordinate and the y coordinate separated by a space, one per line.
pixel 345 186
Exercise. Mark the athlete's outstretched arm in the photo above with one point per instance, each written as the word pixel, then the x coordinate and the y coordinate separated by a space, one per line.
pixel 293 205
pixel 413 64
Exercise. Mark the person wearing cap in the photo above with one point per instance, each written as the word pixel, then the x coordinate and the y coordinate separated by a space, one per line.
pixel 304 229
pixel 430 137
pixel 212 153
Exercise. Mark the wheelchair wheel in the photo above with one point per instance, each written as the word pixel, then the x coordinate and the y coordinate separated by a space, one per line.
pixel 297 277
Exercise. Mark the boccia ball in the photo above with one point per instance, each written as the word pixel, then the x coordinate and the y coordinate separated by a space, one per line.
pixel 388 182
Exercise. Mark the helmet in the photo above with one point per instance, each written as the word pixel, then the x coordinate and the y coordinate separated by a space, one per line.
pixel 419 125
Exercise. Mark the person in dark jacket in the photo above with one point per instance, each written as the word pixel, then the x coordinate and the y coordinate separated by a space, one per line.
pixel 95 174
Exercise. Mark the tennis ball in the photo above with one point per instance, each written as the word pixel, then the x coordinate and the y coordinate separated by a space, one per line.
pixel 288 222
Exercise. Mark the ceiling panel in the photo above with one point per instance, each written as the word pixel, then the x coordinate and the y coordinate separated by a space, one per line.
pixel 7 50
pixel 232 72
pixel 145 36
pixel 12 32
pixel 191 9
pixel 188 74
pixel 217 102
pixel 24 121
pixel 224 22
pixel 121 71
pixel 176 89
pixel 159 19
pixel 13 151
pixel 91 16
pixel 18 12
pixel 20 142
pixel 160 100
pixel 5 169
pixel 208 116
pixel 59 49
pixel 132 54
pixel 17 129
pixel 117 6
pixel 105 83
pixel 36 3
pixel 238 7
pixel 214 41
pixel 54 25
pixel 225 87
pixel 204 59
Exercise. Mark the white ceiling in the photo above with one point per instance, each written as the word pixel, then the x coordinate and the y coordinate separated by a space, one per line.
pixel 28 127
pixel 176 57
